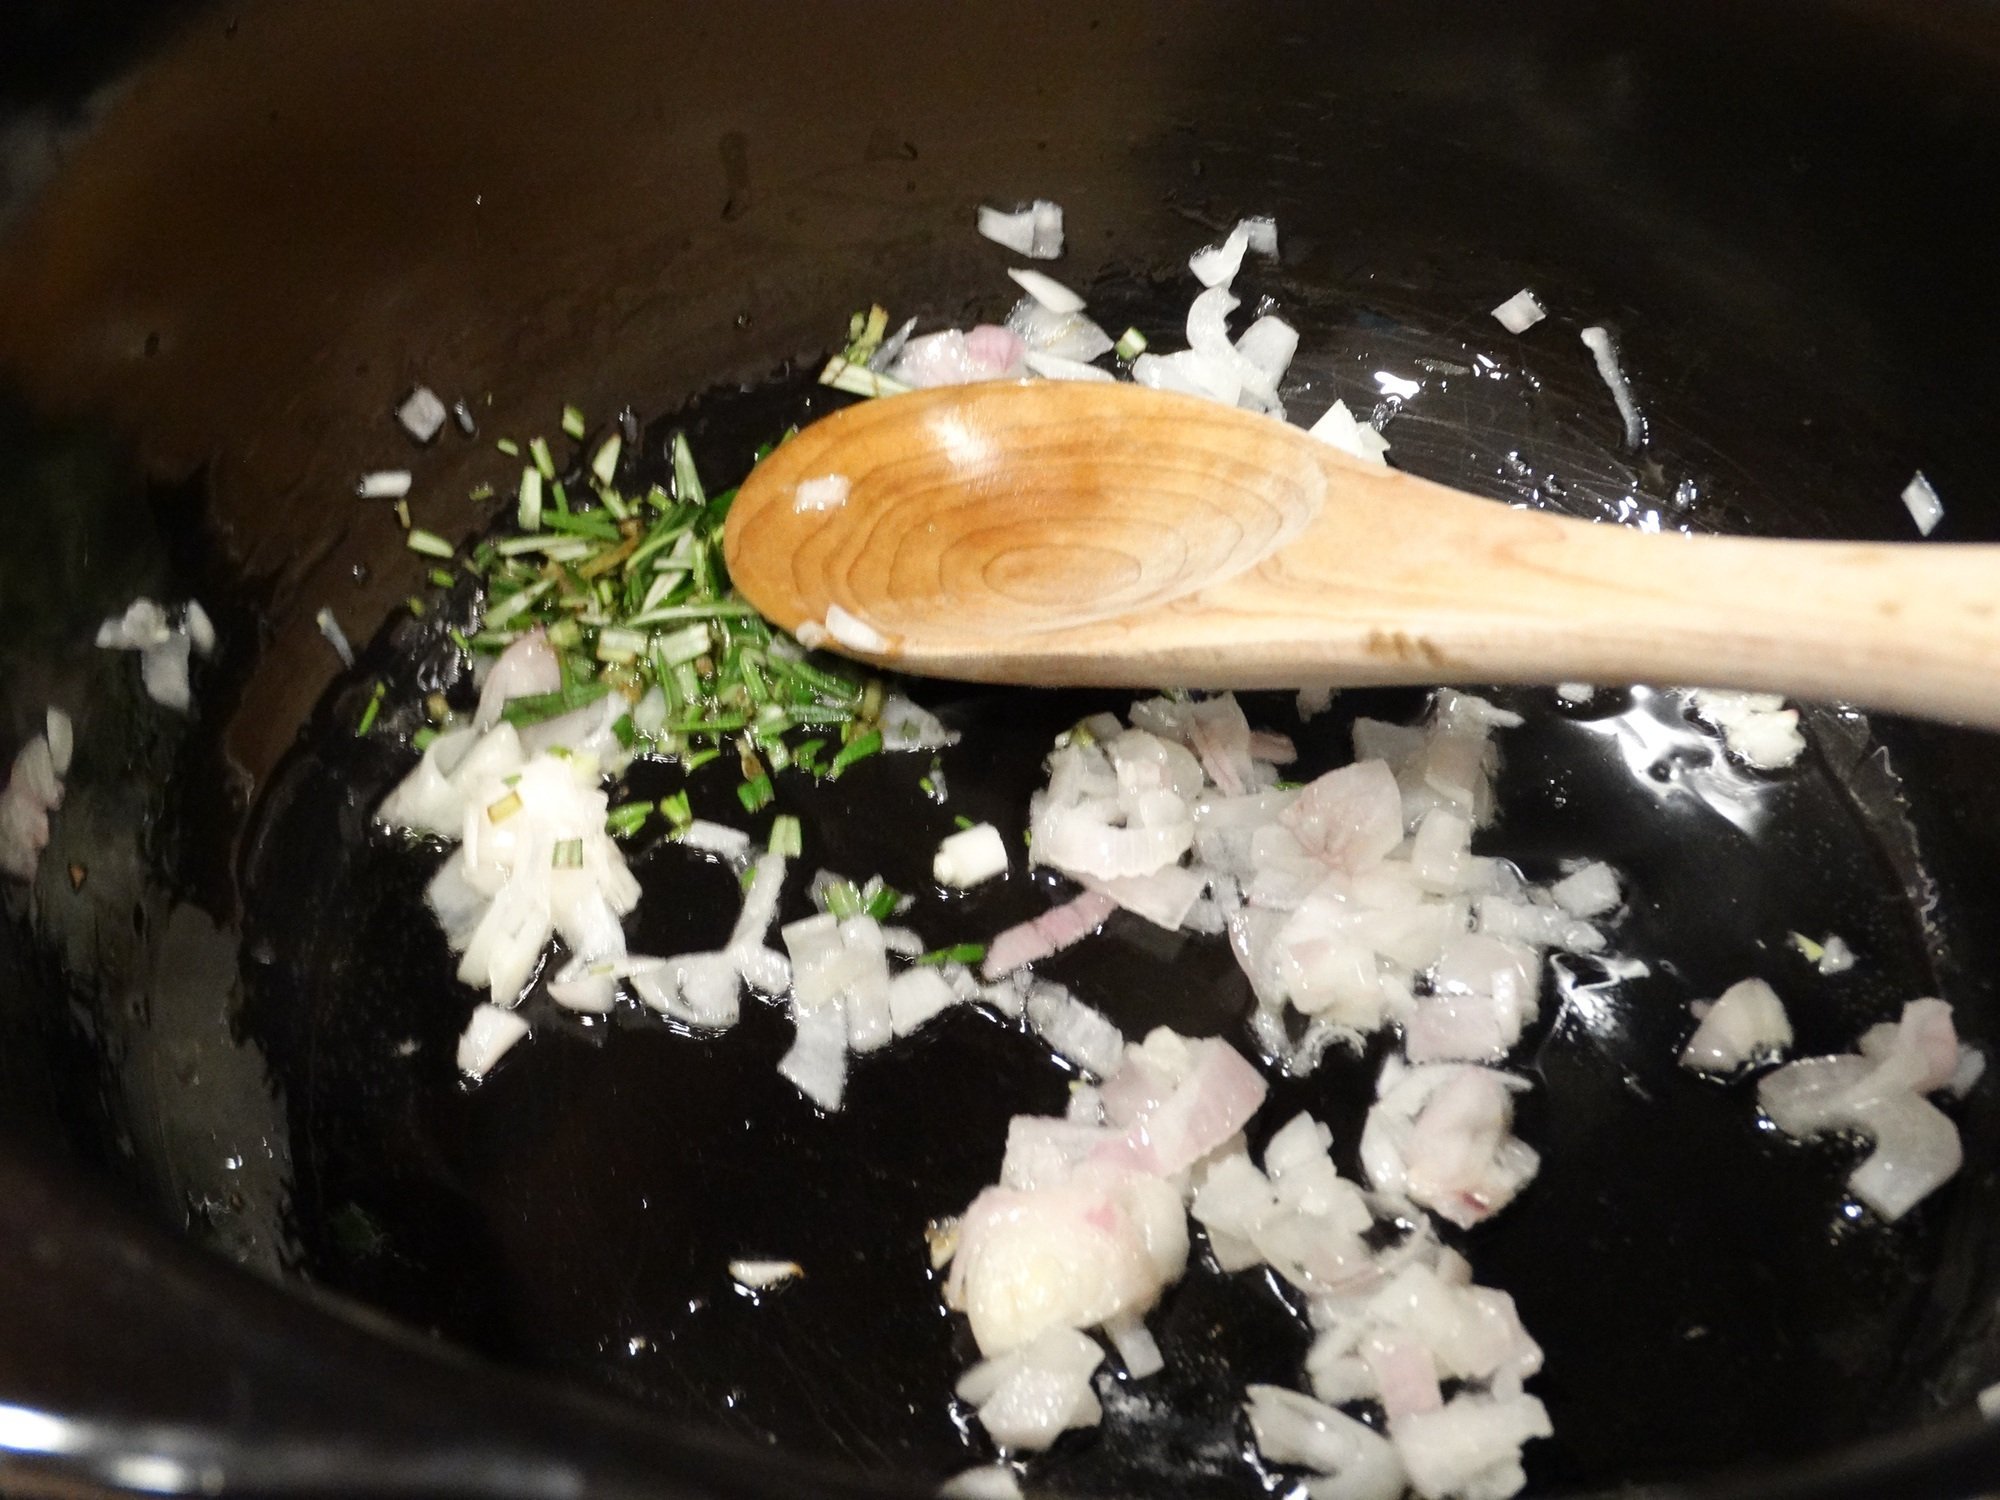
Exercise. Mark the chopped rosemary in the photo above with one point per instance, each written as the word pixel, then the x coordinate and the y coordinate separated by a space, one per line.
pixel 859 748
pixel 374 707
pixel 533 708
pixel 675 810
pixel 878 900
pixel 634 596
pixel 627 818
pixel 957 953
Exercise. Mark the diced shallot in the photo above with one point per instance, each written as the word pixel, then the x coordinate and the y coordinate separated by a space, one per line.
pixel 1292 1428
pixel 527 668
pixel 1442 1135
pixel 970 857
pixel 421 414
pixel 1758 729
pixel 1879 1094
pixel 1051 932
pixel 1747 1024
pixel 488 1035
pixel 1029 1397
pixel 1605 353
pixel 1036 231
pixel 1338 428
pixel 853 632
pixel 1046 290
pixel 1471 1447
pixel 1520 312
pixel 1923 504
pixel 1099 1246
pixel 762 1275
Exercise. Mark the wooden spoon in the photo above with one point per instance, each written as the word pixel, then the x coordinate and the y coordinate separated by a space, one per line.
pixel 1063 533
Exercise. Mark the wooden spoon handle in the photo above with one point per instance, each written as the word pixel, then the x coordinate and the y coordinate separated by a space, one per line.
pixel 1908 627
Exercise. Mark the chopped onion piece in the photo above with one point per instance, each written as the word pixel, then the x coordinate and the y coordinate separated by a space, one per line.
pixel 916 996
pixel 854 632
pixel 1163 898
pixel 816 1065
pixel 163 670
pixel 1208 337
pixel 1049 933
pixel 762 1275
pixel 1291 1428
pixel 384 484
pixel 421 414
pixel 1269 344
pixel 1028 1398
pixel 1098 1246
pixel 1923 504
pixel 1442 1135
pixel 989 1482
pixel 1055 367
pixel 33 790
pixel 1756 727
pixel 61 735
pixel 1036 231
pixel 906 726
pixel 529 667
pixel 1520 312
pixel 1137 1348
pixel 1075 1031
pixel 1606 355
pixel 200 629
pixel 1879 1093
pixel 1188 372
pixel 969 857
pixel 1218 264
pixel 1046 290
pixel 142 626
pixel 335 636
pixel 487 1036
pixel 715 838
pixel 1064 335
pixel 1261 235
pixel 1472 1447
pixel 1591 890
pixel 1338 427
pixel 1747 1024
pixel 1574 693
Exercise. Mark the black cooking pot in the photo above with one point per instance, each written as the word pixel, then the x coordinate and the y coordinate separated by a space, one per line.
pixel 249 1245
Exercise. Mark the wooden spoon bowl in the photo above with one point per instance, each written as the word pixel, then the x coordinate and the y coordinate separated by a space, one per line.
pixel 1097 534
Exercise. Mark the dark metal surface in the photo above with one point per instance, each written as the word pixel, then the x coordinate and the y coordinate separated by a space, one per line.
pixel 290 213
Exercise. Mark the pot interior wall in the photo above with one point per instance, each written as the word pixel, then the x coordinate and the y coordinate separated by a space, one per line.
pixel 289 214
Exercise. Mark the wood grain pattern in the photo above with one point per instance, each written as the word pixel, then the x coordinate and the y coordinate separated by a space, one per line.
pixel 1054 533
